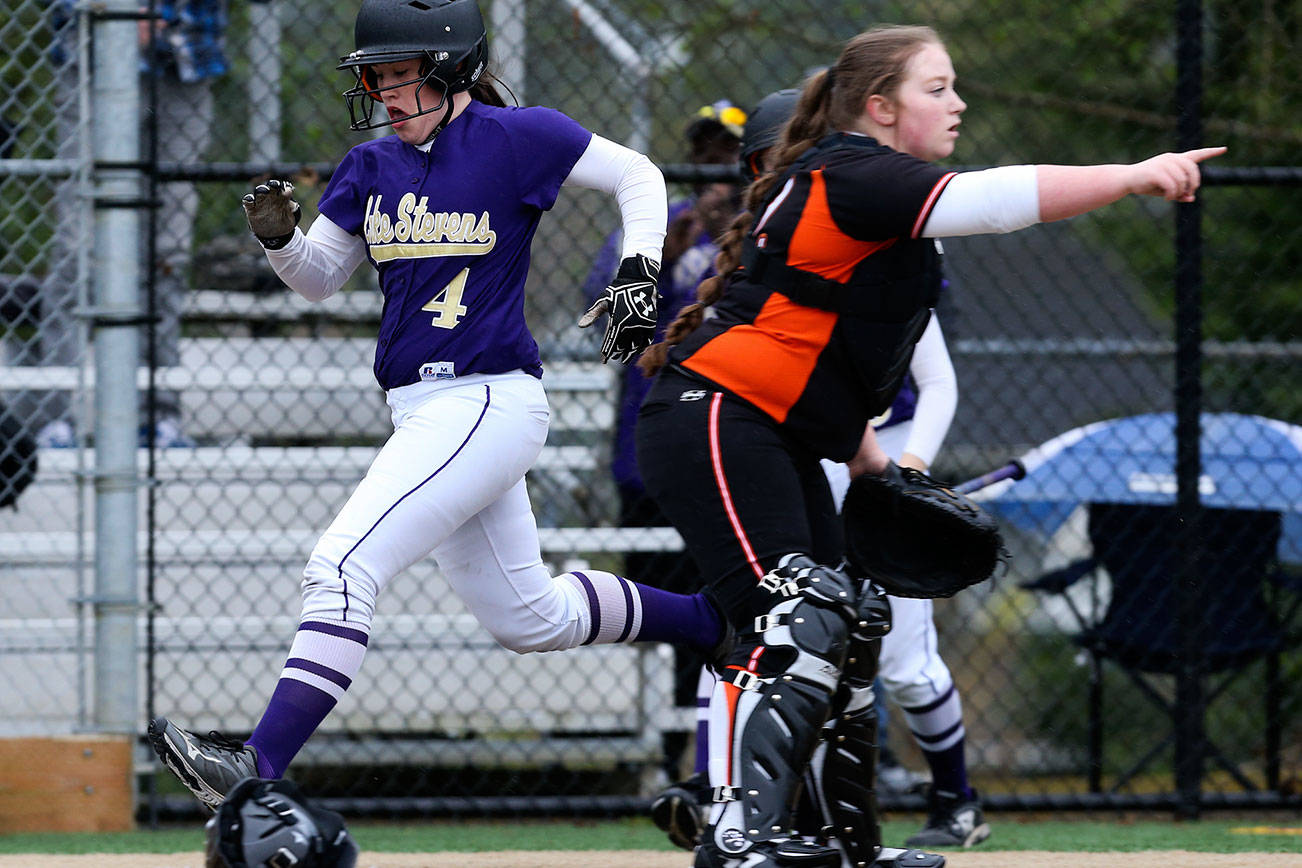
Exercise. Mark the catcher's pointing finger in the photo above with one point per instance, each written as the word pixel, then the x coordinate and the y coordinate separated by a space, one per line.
pixel 1200 154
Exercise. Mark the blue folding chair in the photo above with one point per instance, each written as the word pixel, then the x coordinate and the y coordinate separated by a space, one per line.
pixel 1249 605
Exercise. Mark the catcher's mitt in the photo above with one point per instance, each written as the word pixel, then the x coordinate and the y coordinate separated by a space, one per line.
pixel 917 538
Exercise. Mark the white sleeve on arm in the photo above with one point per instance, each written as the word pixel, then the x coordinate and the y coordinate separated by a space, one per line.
pixel 933 374
pixel 315 265
pixel 993 200
pixel 637 186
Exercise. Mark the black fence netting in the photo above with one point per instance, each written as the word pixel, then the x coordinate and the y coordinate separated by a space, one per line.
pixel 1141 361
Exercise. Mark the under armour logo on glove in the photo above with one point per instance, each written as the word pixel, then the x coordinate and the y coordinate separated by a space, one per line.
pixel 630 300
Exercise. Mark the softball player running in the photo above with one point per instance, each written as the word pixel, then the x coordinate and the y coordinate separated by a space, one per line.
pixel 825 287
pixel 445 209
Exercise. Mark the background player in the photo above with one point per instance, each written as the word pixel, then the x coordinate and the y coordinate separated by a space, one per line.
pixel 713 137
pixel 825 286
pixel 911 670
pixel 445 209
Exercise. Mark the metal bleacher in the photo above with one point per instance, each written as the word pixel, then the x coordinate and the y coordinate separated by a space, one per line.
pixel 244 509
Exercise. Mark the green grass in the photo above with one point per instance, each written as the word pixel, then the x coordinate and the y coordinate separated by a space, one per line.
pixel 1124 835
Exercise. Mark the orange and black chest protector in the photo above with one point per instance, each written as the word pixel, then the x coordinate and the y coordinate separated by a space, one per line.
pixel 817 327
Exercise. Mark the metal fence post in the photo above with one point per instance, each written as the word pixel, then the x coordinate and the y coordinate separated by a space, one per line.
pixel 507 18
pixel 264 83
pixel 115 319
pixel 1190 701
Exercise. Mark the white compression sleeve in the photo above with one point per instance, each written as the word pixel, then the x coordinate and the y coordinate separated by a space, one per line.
pixel 637 186
pixel 315 265
pixel 990 201
pixel 933 374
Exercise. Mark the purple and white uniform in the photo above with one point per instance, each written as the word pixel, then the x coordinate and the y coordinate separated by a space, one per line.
pixel 448 227
pixel 449 232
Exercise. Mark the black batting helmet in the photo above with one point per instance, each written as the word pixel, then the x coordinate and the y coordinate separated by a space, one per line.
pixel 270 824
pixel 763 126
pixel 447 36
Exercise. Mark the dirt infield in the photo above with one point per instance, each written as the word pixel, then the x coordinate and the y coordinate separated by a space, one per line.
pixel 660 859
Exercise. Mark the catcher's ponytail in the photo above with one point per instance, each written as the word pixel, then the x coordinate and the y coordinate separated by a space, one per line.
pixel 872 62
pixel 729 256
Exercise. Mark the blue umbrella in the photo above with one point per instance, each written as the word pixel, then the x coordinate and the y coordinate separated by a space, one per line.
pixel 1248 462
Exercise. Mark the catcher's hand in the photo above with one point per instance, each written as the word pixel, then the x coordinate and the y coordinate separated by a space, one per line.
pixel 917 538
pixel 630 300
pixel 272 213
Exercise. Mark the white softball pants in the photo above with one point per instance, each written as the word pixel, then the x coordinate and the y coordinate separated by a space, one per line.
pixel 450 482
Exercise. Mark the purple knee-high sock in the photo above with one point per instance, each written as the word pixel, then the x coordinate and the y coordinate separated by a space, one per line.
pixel 937 726
pixel 322 662
pixel 627 611
pixel 680 619
pixel 293 714
pixel 949 769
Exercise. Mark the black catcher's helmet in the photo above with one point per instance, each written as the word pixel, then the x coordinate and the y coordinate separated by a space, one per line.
pixel 269 824
pixel 763 127
pixel 447 36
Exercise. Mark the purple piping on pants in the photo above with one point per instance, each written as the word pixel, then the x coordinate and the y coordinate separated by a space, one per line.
pixel 488 400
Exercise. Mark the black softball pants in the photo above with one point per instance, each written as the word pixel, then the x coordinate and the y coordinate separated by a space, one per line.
pixel 739 491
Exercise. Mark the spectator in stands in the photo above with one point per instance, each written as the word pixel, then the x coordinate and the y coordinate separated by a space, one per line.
pixel 713 137
pixel 182 52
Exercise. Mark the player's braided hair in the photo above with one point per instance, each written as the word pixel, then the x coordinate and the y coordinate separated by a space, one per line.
pixel 873 62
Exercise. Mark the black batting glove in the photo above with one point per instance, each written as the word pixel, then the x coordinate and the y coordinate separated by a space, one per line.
pixel 630 300
pixel 272 213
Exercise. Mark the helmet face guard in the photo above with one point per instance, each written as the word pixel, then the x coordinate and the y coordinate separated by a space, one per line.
pixel 363 97
pixel 446 36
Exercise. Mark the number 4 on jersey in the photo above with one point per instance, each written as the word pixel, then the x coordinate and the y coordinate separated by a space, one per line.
pixel 446 304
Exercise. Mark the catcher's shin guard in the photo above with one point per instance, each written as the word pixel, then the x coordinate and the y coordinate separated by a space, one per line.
pixel 840 800
pixel 774 693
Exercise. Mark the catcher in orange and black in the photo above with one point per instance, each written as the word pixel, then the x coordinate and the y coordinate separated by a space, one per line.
pixel 825 285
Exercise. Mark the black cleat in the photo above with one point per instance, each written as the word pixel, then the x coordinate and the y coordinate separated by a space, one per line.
pixel 893 857
pixel 679 810
pixel 793 853
pixel 208 766
pixel 952 821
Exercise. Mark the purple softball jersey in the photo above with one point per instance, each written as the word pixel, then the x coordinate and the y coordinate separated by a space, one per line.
pixel 449 232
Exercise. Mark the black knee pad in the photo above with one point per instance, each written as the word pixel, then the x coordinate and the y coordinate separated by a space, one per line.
pixel 779 682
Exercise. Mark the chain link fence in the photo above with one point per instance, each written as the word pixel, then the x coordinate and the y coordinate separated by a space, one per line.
pixel 258 412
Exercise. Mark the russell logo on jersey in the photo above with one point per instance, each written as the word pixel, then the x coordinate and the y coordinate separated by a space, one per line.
pixel 438 371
